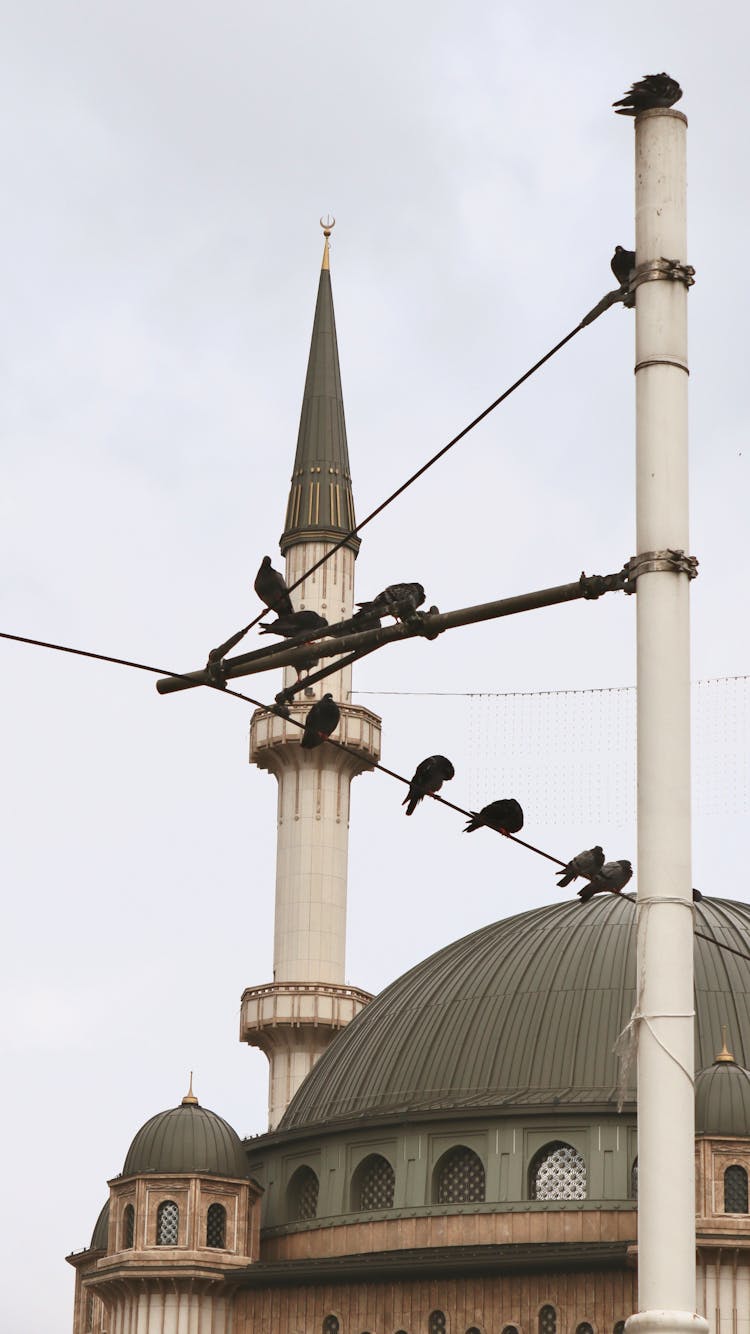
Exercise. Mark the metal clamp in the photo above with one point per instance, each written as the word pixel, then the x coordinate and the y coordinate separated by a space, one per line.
pixel 657 269
pixel 672 559
pixel 595 585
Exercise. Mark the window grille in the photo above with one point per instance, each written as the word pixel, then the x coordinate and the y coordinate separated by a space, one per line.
pixel 330 1325
pixel 619 1328
pixel 167 1223
pixel 547 1320
pixel 376 1182
pixel 89 1310
pixel 460 1177
pixel 633 1188
pixel 303 1195
pixel 735 1190
pixel 510 1329
pixel 558 1172
pixel 473 1329
pixel 436 1323
pixel 584 1328
pixel 128 1227
pixel 216 1225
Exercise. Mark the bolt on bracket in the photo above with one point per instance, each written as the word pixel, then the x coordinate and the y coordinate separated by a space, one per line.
pixel 657 269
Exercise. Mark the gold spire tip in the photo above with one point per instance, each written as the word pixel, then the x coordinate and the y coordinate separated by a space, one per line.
pixel 724 1054
pixel 190 1099
pixel 327 223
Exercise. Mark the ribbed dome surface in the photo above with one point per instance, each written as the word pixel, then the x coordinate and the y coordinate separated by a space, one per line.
pixel 188 1138
pixel 523 1012
pixel 101 1230
pixel 722 1100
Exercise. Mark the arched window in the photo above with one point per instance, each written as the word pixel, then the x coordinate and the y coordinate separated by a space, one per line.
pixel 373 1184
pixel 331 1325
pixel 735 1190
pixel 128 1227
pixel 216 1225
pixel 302 1195
pixel 473 1329
pixel 459 1177
pixel 557 1172
pixel 437 1323
pixel 167 1223
pixel 619 1327
pixel 584 1328
pixel 547 1320
pixel 510 1329
pixel 634 1182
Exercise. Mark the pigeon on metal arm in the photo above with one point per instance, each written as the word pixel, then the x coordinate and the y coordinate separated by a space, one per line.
pixel 429 777
pixel 585 863
pixel 397 600
pixel 653 90
pixel 293 623
pixel 505 816
pixel 611 879
pixel 271 588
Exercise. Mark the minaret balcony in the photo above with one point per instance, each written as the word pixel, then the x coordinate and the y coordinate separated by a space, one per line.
pixel 274 741
pixel 269 1011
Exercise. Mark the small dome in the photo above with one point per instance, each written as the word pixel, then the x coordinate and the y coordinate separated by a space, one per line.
pixel 188 1138
pixel 722 1099
pixel 101 1230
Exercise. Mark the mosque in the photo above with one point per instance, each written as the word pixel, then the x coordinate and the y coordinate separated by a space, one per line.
pixel 447 1157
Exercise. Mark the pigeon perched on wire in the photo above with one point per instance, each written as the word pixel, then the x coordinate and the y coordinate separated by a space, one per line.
pixel 622 264
pixel 271 588
pixel 321 721
pixel 429 777
pixel 653 90
pixel 585 863
pixel 293 623
pixel 505 816
pixel 395 600
pixel 612 878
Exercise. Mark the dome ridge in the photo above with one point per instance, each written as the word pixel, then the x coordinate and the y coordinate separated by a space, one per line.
pixel 187 1138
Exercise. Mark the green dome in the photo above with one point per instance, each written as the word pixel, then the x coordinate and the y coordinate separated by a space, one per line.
pixel 722 1100
pixel 101 1230
pixel 188 1138
pixel 522 1013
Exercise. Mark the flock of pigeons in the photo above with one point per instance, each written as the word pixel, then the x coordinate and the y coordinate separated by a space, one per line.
pixel 401 601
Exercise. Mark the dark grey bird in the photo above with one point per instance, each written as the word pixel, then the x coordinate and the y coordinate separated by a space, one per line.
pixel 395 598
pixel 505 816
pixel 653 90
pixel 293 623
pixel 585 863
pixel 271 588
pixel 321 721
pixel 621 264
pixel 612 877
pixel 429 776
pixel 697 896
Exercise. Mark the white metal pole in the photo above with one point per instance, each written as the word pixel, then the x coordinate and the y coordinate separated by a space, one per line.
pixel 666 1144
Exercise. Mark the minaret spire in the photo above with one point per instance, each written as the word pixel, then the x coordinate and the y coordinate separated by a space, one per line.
pixel 294 1018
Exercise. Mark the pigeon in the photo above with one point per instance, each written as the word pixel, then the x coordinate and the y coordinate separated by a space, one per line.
pixel 697 896
pixel 612 877
pixel 586 863
pixel 429 776
pixel 272 590
pixel 653 90
pixel 397 596
pixel 293 623
pixel 505 816
pixel 622 262
pixel 321 721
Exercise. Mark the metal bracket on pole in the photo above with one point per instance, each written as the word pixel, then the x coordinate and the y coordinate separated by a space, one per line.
pixel 656 269
pixel 670 559
pixel 595 585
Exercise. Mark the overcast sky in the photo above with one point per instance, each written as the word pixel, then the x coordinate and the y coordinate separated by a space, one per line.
pixel 164 167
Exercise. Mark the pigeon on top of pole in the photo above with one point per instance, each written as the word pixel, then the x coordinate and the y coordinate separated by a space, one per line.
pixel 612 878
pixel 585 863
pixel 429 777
pixel 271 588
pixel 653 90
pixel 504 816
pixel 622 264
pixel 321 721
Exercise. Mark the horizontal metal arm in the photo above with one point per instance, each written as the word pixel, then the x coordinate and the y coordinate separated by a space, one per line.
pixel 426 624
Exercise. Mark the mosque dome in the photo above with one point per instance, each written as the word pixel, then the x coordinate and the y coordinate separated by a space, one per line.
pixel 722 1098
pixel 101 1229
pixel 188 1138
pixel 522 1013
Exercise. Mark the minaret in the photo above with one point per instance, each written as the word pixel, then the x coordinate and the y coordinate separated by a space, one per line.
pixel 294 1018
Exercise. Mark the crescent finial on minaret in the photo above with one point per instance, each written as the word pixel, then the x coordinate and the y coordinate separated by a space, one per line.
pixel 327 223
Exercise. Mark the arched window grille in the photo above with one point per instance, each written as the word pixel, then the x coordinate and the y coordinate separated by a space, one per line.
pixel 437 1323
pixel 216 1225
pixel 167 1223
pixel 331 1325
pixel 510 1329
pixel 460 1177
pixel 128 1227
pixel 557 1172
pixel 584 1328
pixel 735 1190
pixel 374 1184
pixel 90 1299
pixel 633 1187
pixel 473 1329
pixel 302 1195
pixel 547 1320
